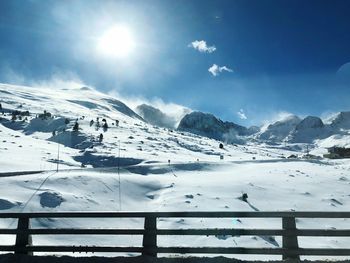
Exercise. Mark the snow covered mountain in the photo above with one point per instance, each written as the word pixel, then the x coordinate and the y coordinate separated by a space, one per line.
pixel 46 118
pixel 278 131
pixel 85 105
pixel 290 129
pixel 341 120
pixel 206 124
pixel 309 129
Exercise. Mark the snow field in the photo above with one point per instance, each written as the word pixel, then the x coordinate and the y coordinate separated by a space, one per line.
pixel 160 170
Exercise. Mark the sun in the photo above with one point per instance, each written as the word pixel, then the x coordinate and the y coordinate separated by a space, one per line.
pixel 116 41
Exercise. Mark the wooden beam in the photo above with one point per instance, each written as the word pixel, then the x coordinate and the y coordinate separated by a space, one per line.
pixel 149 242
pixel 23 239
pixel 289 242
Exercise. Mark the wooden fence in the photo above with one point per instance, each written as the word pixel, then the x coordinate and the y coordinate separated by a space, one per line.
pixel 288 231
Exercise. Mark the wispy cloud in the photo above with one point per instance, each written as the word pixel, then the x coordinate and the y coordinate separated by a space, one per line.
pixel 58 80
pixel 9 76
pixel 276 116
pixel 215 70
pixel 202 46
pixel 241 114
pixel 175 111
pixel 328 116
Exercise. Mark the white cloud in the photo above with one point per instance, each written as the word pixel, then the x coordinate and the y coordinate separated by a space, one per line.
pixel 201 46
pixel 344 69
pixel 278 116
pixel 241 114
pixel 216 70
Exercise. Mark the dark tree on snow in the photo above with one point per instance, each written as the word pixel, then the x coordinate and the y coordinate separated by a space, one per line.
pixel 105 127
pixel 76 127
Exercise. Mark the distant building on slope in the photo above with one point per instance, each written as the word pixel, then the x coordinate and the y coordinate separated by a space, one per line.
pixel 337 152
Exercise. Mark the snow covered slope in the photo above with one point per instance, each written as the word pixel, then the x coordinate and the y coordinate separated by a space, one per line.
pixel 127 135
pixel 160 170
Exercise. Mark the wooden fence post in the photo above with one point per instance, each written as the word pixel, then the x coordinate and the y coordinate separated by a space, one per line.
pixel 290 242
pixel 23 239
pixel 150 237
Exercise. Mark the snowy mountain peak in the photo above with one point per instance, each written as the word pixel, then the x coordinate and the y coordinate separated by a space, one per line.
pixel 342 120
pixel 279 130
pixel 288 120
pixel 308 130
pixel 310 122
pixel 206 124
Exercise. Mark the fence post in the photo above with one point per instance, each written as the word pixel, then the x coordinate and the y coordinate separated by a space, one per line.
pixel 290 242
pixel 150 237
pixel 23 239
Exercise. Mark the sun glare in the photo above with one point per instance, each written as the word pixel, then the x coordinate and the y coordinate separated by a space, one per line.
pixel 117 41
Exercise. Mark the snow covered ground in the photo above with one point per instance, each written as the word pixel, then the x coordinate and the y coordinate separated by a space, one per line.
pixel 160 170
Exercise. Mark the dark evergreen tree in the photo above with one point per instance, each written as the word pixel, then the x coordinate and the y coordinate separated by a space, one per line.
pixel 105 125
pixel 45 115
pixel 76 127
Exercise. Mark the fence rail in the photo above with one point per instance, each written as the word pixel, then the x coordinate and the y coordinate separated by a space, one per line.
pixel 289 233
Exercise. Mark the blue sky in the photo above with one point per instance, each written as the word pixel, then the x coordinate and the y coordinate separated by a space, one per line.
pixel 285 56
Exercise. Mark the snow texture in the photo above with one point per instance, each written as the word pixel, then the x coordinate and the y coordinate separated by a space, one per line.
pixel 138 166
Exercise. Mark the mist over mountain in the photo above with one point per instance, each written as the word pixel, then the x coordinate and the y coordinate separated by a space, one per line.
pixel 155 116
pixel 341 120
pixel 279 130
